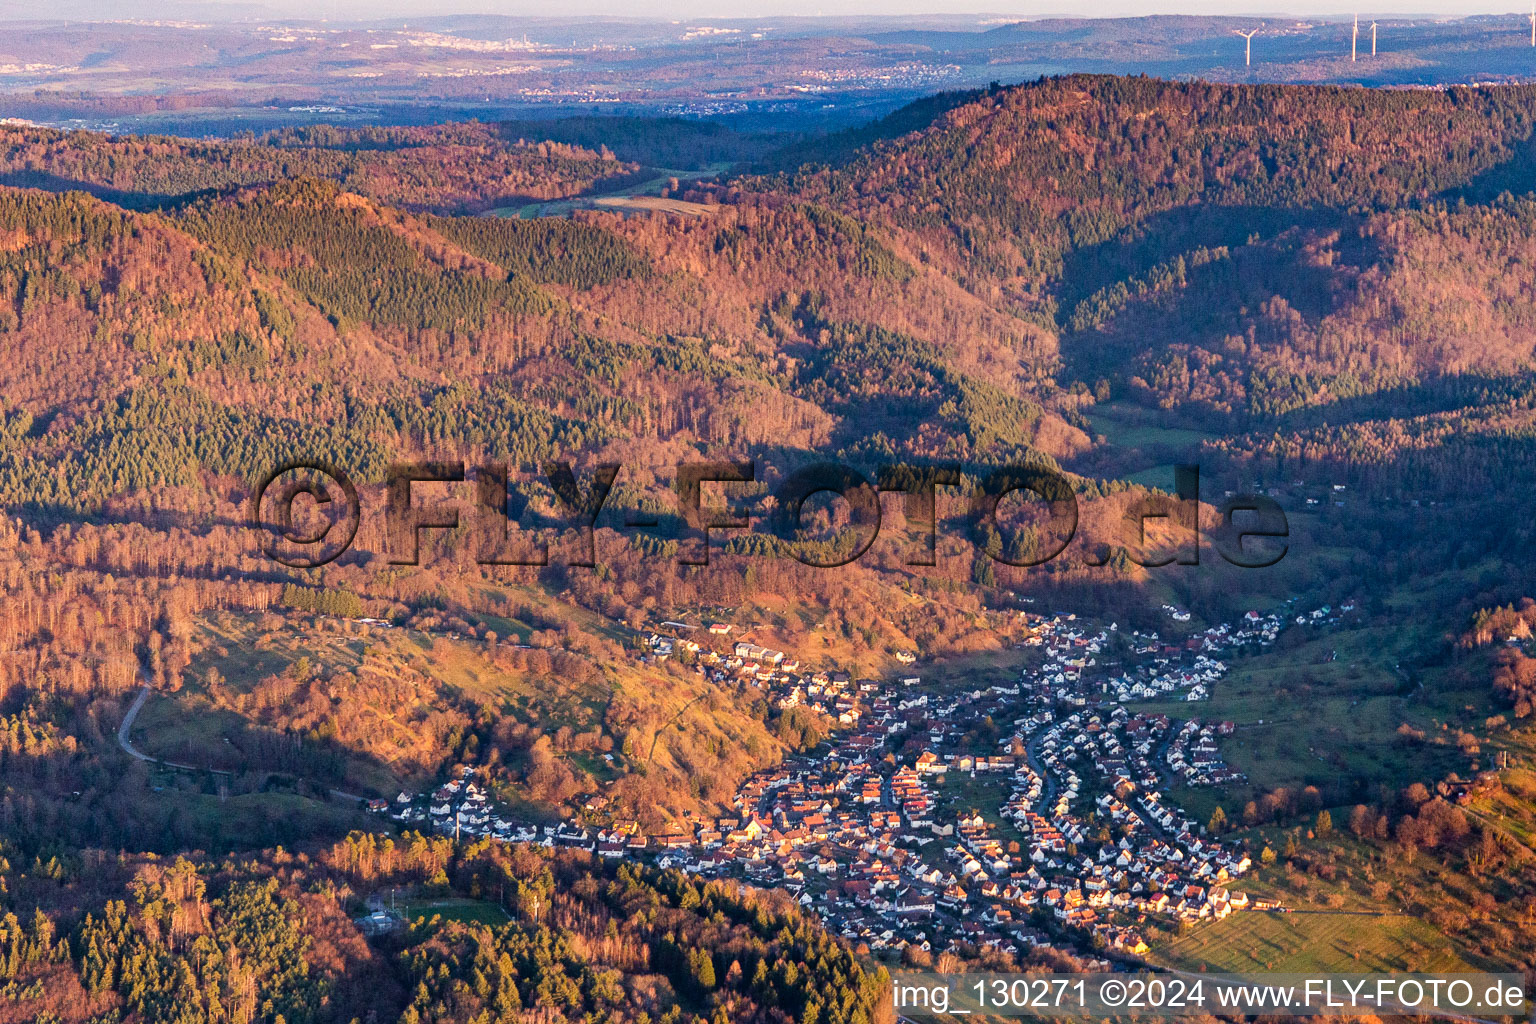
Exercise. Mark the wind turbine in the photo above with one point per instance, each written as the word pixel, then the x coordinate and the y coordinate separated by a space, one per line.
pixel 1533 24
pixel 1373 39
pixel 1354 38
pixel 1248 36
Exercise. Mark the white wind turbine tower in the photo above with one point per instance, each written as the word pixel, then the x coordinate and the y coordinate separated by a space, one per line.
pixel 1373 39
pixel 1354 38
pixel 1248 37
pixel 1533 24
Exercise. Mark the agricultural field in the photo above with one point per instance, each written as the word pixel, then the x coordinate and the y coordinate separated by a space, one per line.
pixel 1361 903
pixel 1313 941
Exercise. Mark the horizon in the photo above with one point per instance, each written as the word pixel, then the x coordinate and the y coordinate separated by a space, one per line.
pixel 356 12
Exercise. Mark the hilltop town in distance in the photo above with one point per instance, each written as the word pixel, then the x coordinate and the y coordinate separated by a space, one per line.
pixel 804 75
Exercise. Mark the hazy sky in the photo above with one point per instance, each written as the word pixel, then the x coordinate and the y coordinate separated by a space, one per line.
pixel 696 9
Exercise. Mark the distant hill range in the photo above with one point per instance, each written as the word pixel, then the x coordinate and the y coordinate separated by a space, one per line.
pixel 803 74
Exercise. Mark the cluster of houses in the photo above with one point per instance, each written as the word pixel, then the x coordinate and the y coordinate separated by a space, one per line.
pixel 1195 759
pixel 1325 615
pixel 1063 834
pixel 459 807
pixel 1176 613
pixel 1159 669
pixel 749 662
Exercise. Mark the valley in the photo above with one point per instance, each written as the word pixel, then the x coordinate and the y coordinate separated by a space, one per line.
pixel 694 764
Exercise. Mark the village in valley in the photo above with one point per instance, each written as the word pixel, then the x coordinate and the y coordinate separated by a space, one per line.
pixel 1033 812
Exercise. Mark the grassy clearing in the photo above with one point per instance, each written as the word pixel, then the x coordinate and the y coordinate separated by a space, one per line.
pixel 206 723
pixel 1326 708
pixel 960 794
pixel 642 194
pixel 656 204
pixel 1143 451
pixel 1129 426
pixel 1362 902
pixel 1512 810
pixel 455 909
pixel 975 670
pixel 197 810
pixel 1158 477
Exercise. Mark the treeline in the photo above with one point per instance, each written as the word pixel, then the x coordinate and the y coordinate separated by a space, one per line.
pixel 155 365
pixel 1505 623
pixel 159 437
pixel 546 251
pixel 352 265
pixel 1442 855
pixel 1514 677
pixel 173 956
pixel 672 330
pixel 712 951
pixel 341 603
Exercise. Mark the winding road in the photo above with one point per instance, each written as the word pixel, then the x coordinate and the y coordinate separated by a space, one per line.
pixel 125 730
pixel 127 726
pixel 1032 757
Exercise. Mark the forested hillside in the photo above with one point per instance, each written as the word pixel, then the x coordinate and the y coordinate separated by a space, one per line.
pixel 1322 295
pixel 455 168
pixel 271 938
pixel 1334 279
pixel 1128 172
pixel 1292 276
